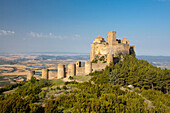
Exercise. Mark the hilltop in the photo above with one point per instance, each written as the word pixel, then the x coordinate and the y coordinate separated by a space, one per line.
pixel 113 81
pixel 102 93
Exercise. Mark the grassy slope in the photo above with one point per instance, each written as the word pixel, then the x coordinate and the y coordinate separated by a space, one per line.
pixel 82 78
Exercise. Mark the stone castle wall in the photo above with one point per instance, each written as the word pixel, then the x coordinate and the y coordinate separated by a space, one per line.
pixel 112 46
pixel 109 48
pixel 80 71
pixel 52 75
pixel 98 66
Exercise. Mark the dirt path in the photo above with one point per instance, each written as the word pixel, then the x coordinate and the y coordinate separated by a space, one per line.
pixel 150 105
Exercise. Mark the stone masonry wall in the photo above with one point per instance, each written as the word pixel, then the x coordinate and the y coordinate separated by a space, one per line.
pixel 80 70
pixel 98 66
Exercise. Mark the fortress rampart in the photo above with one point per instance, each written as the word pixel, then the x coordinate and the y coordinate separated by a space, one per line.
pixel 103 53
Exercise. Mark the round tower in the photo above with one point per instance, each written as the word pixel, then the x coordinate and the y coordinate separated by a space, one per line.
pixel 109 58
pixel 78 66
pixel 61 71
pixel 45 73
pixel 30 74
pixel 71 70
pixel 88 67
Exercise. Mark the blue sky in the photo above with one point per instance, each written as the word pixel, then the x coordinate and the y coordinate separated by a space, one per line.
pixel 71 25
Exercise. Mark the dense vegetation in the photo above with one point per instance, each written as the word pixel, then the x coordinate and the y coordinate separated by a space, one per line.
pixel 97 98
pixel 99 58
pixel 102 93
pixel 159 100
pixel 10 87
pixel 24 98
pixel 133 71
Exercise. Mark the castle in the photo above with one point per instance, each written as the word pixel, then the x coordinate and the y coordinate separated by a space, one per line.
pixel 113 46
pixel 102 54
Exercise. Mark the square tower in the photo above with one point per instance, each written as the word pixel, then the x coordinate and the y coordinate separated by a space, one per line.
pixel 111 39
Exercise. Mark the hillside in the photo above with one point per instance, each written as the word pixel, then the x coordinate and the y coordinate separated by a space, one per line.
pixel 106 91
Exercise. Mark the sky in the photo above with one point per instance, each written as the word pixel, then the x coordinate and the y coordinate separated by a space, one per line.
pixel 72 25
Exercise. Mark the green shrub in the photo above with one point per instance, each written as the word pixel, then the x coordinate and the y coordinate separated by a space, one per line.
pixel 70 77
pixel 52 97
pixel 64 87
pixel 36 108
pixel 58 88
pixel 72 82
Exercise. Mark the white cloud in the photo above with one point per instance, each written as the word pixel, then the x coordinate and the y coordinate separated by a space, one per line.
pixel 49 35
pixel 52 36
pixel 76 36
pixel 6 32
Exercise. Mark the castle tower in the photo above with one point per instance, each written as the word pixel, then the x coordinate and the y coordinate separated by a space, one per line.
pixel 109 58
pixel 71 70
pixel 111 39
pixel 45 73
pixel 30 74
pixel 61 71
pixel 78 64
pixel 92 54
pixel 88 67
pixel 124 41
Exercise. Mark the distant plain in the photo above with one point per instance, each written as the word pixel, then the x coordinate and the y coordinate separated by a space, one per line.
pixel 14 67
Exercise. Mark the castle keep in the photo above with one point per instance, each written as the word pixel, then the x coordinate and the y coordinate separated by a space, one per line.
pixel 113 46
pixel 102 54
